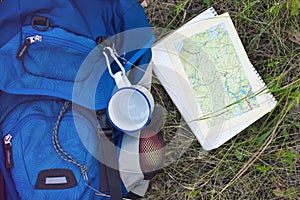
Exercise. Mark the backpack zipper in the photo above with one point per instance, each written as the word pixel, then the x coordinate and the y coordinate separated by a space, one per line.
pixel 9 163
pixel 28 41
pixel 38 38
pixel 77 46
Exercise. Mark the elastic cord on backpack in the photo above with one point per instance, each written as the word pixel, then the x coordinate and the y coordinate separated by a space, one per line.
pixel 59 150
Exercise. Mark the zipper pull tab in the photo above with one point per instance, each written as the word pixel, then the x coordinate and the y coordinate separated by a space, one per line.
pixel 9 163
pixel 24 48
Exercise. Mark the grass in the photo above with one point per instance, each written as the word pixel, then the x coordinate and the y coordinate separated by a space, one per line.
pixel 263 161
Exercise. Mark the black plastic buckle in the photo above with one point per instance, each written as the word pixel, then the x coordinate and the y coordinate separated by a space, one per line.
pixel 107 129
pixel 103 120
pixel 40 23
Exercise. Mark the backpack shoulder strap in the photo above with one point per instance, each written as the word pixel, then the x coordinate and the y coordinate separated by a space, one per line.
pixel 110 180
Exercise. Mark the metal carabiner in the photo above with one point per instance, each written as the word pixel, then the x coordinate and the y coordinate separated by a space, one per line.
pixel 115 56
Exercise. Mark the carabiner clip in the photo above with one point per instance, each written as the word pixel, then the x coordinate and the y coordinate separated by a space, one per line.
pixel 112 52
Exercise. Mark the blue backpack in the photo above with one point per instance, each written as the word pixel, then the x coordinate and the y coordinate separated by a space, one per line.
pixel 55 86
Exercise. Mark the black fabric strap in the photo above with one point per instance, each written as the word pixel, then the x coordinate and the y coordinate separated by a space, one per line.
pixel 133 196
pixel 2 187
pixel 109 175
pixel 103 177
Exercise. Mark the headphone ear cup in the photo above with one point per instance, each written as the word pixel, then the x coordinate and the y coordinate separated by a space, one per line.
pixel 151 152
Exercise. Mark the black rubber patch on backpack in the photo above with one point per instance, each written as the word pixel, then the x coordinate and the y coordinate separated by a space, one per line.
pixel 55 179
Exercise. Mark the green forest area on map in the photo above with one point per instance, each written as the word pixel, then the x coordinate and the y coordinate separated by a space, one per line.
pixel 216 73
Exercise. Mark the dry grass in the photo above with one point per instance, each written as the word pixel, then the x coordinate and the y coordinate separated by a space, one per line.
pixel 262 162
